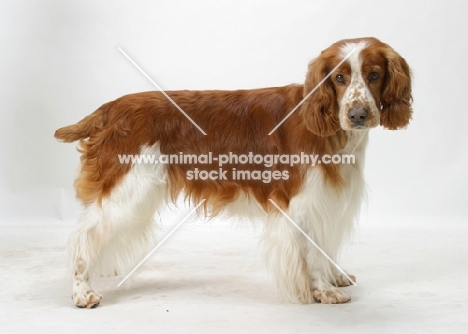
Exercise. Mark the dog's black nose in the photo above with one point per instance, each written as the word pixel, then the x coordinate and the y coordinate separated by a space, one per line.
pixel 357 115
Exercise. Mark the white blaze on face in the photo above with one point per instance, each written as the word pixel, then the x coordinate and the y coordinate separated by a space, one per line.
pixel 357 94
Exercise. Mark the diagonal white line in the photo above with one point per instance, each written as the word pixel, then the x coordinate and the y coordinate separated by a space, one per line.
pixel 159 88
pixel 161 242
pixel 312 91
pixel 313 243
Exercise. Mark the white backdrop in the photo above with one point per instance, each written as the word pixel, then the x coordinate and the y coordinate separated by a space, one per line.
pixel 59 62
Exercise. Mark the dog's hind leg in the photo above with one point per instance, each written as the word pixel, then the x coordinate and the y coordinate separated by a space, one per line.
pixel 113 235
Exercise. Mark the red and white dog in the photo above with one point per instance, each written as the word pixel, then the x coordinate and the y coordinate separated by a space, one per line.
pixel 372 87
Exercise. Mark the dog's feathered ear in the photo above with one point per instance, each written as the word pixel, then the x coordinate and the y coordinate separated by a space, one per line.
pixel 396 96
pixel 320 110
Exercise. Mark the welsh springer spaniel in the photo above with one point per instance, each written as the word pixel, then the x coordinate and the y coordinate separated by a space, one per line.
pixel 371 87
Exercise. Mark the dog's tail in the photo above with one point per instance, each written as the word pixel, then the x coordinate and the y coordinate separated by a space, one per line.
pixel 80 130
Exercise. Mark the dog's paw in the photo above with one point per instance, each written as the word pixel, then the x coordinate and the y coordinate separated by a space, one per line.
pixel 87 299
pixel 331 296
pixel 342 281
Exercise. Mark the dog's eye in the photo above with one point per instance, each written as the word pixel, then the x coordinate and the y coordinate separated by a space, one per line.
pixel 373 76
pixel 340 79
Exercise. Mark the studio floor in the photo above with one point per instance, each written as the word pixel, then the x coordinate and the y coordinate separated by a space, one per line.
pixel 208 277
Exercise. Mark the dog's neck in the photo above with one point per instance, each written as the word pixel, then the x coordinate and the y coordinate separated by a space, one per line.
pixel 356 146
pixel 356 143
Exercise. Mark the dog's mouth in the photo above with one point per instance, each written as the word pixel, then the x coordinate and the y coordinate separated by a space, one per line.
pixel 359 128
pixel 364 125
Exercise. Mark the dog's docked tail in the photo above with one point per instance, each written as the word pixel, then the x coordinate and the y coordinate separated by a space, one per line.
pixel 80 130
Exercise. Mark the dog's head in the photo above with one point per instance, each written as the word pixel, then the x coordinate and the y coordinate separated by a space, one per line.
pixel 356 85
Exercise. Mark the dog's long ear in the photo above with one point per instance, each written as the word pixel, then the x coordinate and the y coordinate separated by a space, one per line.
pixel 396 96
pixel 320 110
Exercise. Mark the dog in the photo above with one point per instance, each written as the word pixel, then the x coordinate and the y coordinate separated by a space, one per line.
pixel 352 86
